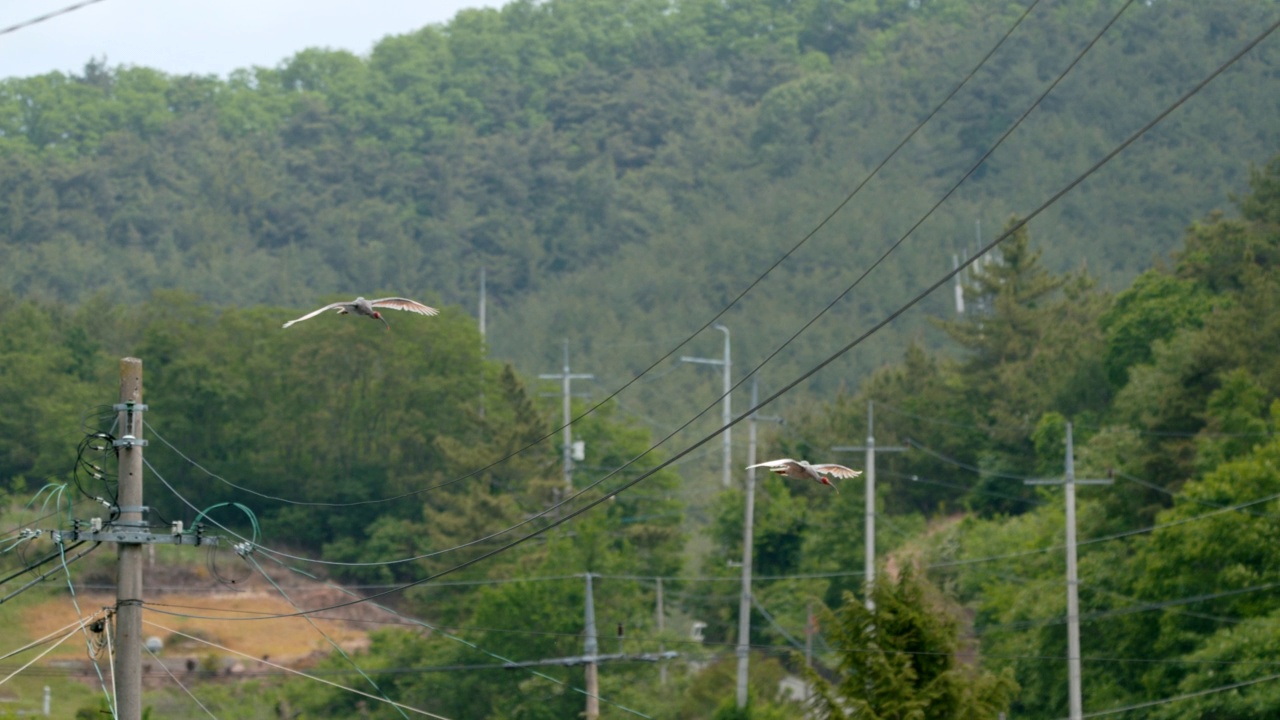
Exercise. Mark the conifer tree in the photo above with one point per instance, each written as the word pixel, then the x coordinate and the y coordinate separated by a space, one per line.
pixel 899 661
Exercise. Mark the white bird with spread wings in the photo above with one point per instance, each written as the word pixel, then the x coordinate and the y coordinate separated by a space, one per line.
pixel 360 306
pixel 803 470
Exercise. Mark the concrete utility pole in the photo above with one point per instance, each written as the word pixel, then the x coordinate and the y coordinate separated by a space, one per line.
pixel 1074 695
pixel 483 349
pixel 483 300
pixel 662 625
pixel 591 656
pixel 726 415
pixel 748 529
pixel 130 530
pixel 128 666
pixel 566 379
pixel 810 627
pixel 590 649
pixel 870 476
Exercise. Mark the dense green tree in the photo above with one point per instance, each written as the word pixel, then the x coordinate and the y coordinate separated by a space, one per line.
pixel 897 661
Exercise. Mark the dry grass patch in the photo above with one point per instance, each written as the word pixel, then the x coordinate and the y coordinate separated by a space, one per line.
pixel 284 640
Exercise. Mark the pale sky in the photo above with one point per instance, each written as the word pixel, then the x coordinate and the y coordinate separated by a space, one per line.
pixel 204 36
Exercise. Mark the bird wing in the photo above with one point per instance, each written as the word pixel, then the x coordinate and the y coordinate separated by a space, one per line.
pixel 779 466
pixel 413 306
pixel 834 470
pixel 314 313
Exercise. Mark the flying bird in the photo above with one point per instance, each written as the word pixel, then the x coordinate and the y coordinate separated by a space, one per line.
pixel 360 306
pixel 802 470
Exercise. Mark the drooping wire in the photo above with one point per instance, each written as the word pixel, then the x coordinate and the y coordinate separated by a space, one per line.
pixel 248 556
pixel 439 630
pixel 89 641
pixel 101 443
pixel 250 542
pixel 111 657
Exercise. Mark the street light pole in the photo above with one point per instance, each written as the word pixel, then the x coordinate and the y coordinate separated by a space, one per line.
pixel 726 416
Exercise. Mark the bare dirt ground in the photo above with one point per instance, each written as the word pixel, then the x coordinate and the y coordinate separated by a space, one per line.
pixel 216 613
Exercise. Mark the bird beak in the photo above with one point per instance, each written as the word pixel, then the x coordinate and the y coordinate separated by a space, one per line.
pixel 384 320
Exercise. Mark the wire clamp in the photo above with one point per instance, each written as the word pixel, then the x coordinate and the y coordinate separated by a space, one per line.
pixel 243 548
pixel 129 407
pixel 29 533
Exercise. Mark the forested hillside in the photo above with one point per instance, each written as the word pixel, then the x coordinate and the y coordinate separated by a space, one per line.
pixel 1172 388
pixel 622 171
pixel 606 162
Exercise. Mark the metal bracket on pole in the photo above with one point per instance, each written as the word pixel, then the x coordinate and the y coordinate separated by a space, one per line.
pixel 128 441
pixel 141 537
pixel 129 407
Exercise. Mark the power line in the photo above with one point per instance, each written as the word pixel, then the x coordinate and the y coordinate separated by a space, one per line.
pixel 1186 497
pixel 1015 227
pixel 51 648
pixel 291 671
pixel 249 558
pixel 798 576
pixel 967 488
pixel 178 682
pixel 725 428
pixel 48 16
pixel 1186 696
pixel 733 302
pixel 1132 610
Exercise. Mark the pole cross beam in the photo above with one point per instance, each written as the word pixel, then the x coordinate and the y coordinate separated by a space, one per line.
pixel 566 392
pixel 726 416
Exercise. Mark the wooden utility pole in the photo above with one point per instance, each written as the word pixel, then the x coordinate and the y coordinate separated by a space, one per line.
pixel 128 665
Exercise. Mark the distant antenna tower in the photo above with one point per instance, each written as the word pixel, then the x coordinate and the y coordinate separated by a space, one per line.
pixel 955 263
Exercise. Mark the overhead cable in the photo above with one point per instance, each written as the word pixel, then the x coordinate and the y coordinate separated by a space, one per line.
pixel 733 302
